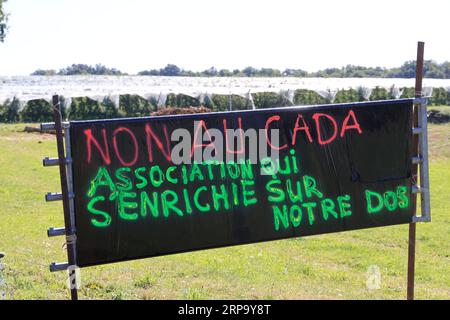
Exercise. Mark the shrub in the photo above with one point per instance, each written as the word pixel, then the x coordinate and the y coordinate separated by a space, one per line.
pixel 9 111
pixel 181 101
pixel 440 97
pixel 345 96
pixel 37 111
pixel 308 97
pixel 85 109
pixel 379 94
pixel 408 92
pixel 222 102
pixel 134 106
pixel 265 100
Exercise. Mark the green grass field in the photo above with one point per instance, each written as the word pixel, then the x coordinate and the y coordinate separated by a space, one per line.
pixel 332 266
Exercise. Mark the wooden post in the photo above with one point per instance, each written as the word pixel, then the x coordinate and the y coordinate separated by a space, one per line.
pixel 65 193
pixel 412 226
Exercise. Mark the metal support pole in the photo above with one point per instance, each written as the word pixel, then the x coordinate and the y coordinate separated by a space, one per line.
pixel 412 226
pixel 68 220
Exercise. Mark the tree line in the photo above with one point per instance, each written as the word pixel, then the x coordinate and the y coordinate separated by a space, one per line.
pixel 432 69
pixel 80 69
pixel 3 18
pixel 84 108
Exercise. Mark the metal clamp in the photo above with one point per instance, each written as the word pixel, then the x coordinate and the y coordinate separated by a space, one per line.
pixel 54 232
pixel 49 162
pixel 417 130
pixel 58 266
pixel 50 126
pixel 421 219
pixel 422 101
pixel 416 189
pixel 71 238
pixel 417 159
pixel 56 196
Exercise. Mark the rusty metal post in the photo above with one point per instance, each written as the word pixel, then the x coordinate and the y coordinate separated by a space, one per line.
pixel 412 226
pixel 65 194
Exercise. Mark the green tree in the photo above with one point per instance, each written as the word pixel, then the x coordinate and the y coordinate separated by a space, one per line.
pixel 295 73
pixel 269 72
pixel 152 72
pixel 109 108
pixel 9 111
pixel 308 97
pixel 225 73
pixel 37 111
pixel 84 69
pixel 41 72
pixel 221 102
pixel 407 92
pixel 250 72
pixel 134 106
pixel 379 93
pixel 211 72
pixel 3 19
pixel 446 69
pixel 345 96
pixel 265 100
pixel 181 101
pixel 439 97
pixel 170 70
pixel 85 109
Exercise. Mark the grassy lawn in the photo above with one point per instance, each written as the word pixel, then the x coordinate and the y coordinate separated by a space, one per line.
pixel 332 266
pixel 443 109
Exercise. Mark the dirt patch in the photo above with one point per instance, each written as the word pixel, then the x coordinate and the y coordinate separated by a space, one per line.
pixel 27 133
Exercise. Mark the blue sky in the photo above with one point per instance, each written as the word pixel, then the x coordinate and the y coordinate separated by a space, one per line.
pixel 135 35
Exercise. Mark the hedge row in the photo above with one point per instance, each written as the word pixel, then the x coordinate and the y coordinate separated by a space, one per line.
pixel 135 106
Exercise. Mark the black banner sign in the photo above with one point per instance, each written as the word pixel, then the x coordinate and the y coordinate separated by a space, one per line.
pixel 152 186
